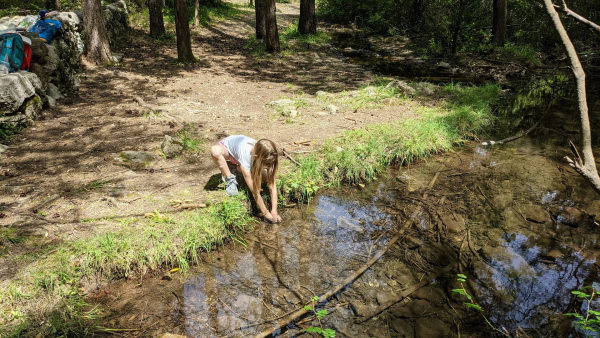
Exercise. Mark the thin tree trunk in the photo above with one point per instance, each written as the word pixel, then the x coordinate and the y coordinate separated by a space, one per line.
pixel 182 30
pixel 259 9
pixel 57 5
pixel 98 49
pixel 457 25
pixel 155 13
pixel 196 10
pixel 499 23
pixel 272 36
pixel 586 166
pixel 307 24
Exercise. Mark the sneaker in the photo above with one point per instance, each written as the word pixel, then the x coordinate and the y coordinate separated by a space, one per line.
pixel 231 185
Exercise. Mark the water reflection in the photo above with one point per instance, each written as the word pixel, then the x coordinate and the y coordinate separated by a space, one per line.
pixel 262 282
pixel 526 286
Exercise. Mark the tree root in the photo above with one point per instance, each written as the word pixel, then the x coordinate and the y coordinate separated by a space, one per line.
pixel 512 138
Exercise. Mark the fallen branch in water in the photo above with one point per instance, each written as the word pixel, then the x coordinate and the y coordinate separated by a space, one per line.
pixel 302 311
pixel 404 294
pixel 512 138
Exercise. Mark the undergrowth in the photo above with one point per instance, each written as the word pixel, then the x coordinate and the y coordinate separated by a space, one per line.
pixel 49 289
pixel 290 40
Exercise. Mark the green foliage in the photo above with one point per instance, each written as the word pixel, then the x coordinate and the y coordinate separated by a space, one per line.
pixel 541 92
pixel 320 314
pixel 190 142
pixel 523 53
pixel 299 183
pixel 590 320
pixel 291 41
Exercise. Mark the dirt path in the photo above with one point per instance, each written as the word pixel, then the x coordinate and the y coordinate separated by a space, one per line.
pixel 62 178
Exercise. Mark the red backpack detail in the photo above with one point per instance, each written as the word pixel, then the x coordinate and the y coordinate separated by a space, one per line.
pixel 27 51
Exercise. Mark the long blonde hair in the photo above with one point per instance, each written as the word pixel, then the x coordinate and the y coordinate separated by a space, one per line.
pixel 265 157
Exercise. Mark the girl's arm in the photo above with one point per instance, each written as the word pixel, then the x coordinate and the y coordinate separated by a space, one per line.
pixel 273 191
pixel 256 193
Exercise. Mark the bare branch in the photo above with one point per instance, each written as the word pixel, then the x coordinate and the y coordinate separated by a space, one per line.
pixel 577 17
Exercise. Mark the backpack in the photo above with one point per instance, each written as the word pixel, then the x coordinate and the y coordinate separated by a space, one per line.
pixel 12 51
pixel 46 29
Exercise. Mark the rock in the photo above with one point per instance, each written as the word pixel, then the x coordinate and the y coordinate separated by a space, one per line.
pixel 170 147
pixel 432 327
pixel 432 293
pixel 574 217
pixel 455 223
pixel 403 327
pixel 554 253
pixel 3 148
pixel 136 159
pixel 443 65
pixel 360 309
pixel 385 297
pixel 25 22
pixel 172 335
pixel 117 57
pixel 333 109
pixel 52 59
pixel 320 93
pixel 69 20
pixel 15 88
pixel 424 88
pixel 39 48
pixel 281 103
pixel 534 213
pixel 54 92
pixel 321 113
pixel 289 111
pixel 32 107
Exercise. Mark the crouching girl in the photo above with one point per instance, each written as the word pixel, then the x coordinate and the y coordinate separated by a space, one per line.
pixel 257 161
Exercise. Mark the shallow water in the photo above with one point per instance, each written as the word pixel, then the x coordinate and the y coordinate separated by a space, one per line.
pixel 522 214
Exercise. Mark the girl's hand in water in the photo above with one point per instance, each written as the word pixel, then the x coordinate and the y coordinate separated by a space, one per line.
pixel 272 218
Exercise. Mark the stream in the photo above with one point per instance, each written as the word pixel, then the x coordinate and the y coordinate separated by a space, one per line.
pixel 521 221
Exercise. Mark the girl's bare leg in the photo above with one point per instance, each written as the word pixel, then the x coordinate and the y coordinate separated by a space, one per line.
pixel 219 154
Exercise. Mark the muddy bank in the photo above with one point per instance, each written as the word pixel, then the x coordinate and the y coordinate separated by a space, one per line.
pixel 521 221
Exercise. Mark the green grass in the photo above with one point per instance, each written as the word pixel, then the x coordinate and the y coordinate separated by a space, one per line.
pixel 359 155
pixel 48 290
pixel 190 142
pixel 522 53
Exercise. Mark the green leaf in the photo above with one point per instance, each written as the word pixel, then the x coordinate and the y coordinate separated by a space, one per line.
pixel 461 280
pixel 328 333
pixel 580 294
pixel 474 306
pixel 576 315
pixel 315 298
pixel 314 329
pixel 460 275
pixel 595 313
pixel 322 313
pixel 308 308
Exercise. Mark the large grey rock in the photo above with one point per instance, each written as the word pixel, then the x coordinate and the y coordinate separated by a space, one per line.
pixel 54 92
pixel 170 147
pixel 289 111
pixel 333 109
pixel 14 22
pixel 281 103
pixel 52 59
pixel 15 88
pixel 3 148
pixel 69 20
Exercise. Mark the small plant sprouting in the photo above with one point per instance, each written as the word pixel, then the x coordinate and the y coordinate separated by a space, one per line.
pixel 591 321
pixel 472 305
pixel 320 314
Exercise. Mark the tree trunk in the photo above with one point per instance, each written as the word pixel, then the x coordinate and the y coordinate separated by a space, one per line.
pixel 416 13
pixel 259 9
pixel 182 30
pixel 57 5
pixel 457 25
pixel 157 24
pixel 499 23
pixel 272 34
pixel 307 24
pixel 98 49
pixel 586 166
pixel 196 9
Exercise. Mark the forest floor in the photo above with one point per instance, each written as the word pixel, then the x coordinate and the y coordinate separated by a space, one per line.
pixel 64 179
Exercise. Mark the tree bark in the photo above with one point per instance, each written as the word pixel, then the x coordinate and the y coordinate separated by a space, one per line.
pixel 155 13
pixel 458 25
pixel 307 24
pixel 196 10
pixel 259 9
pixel 182 30
pixel 586 166
pixel 272 33
pixel 98 48
pixel 499 23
